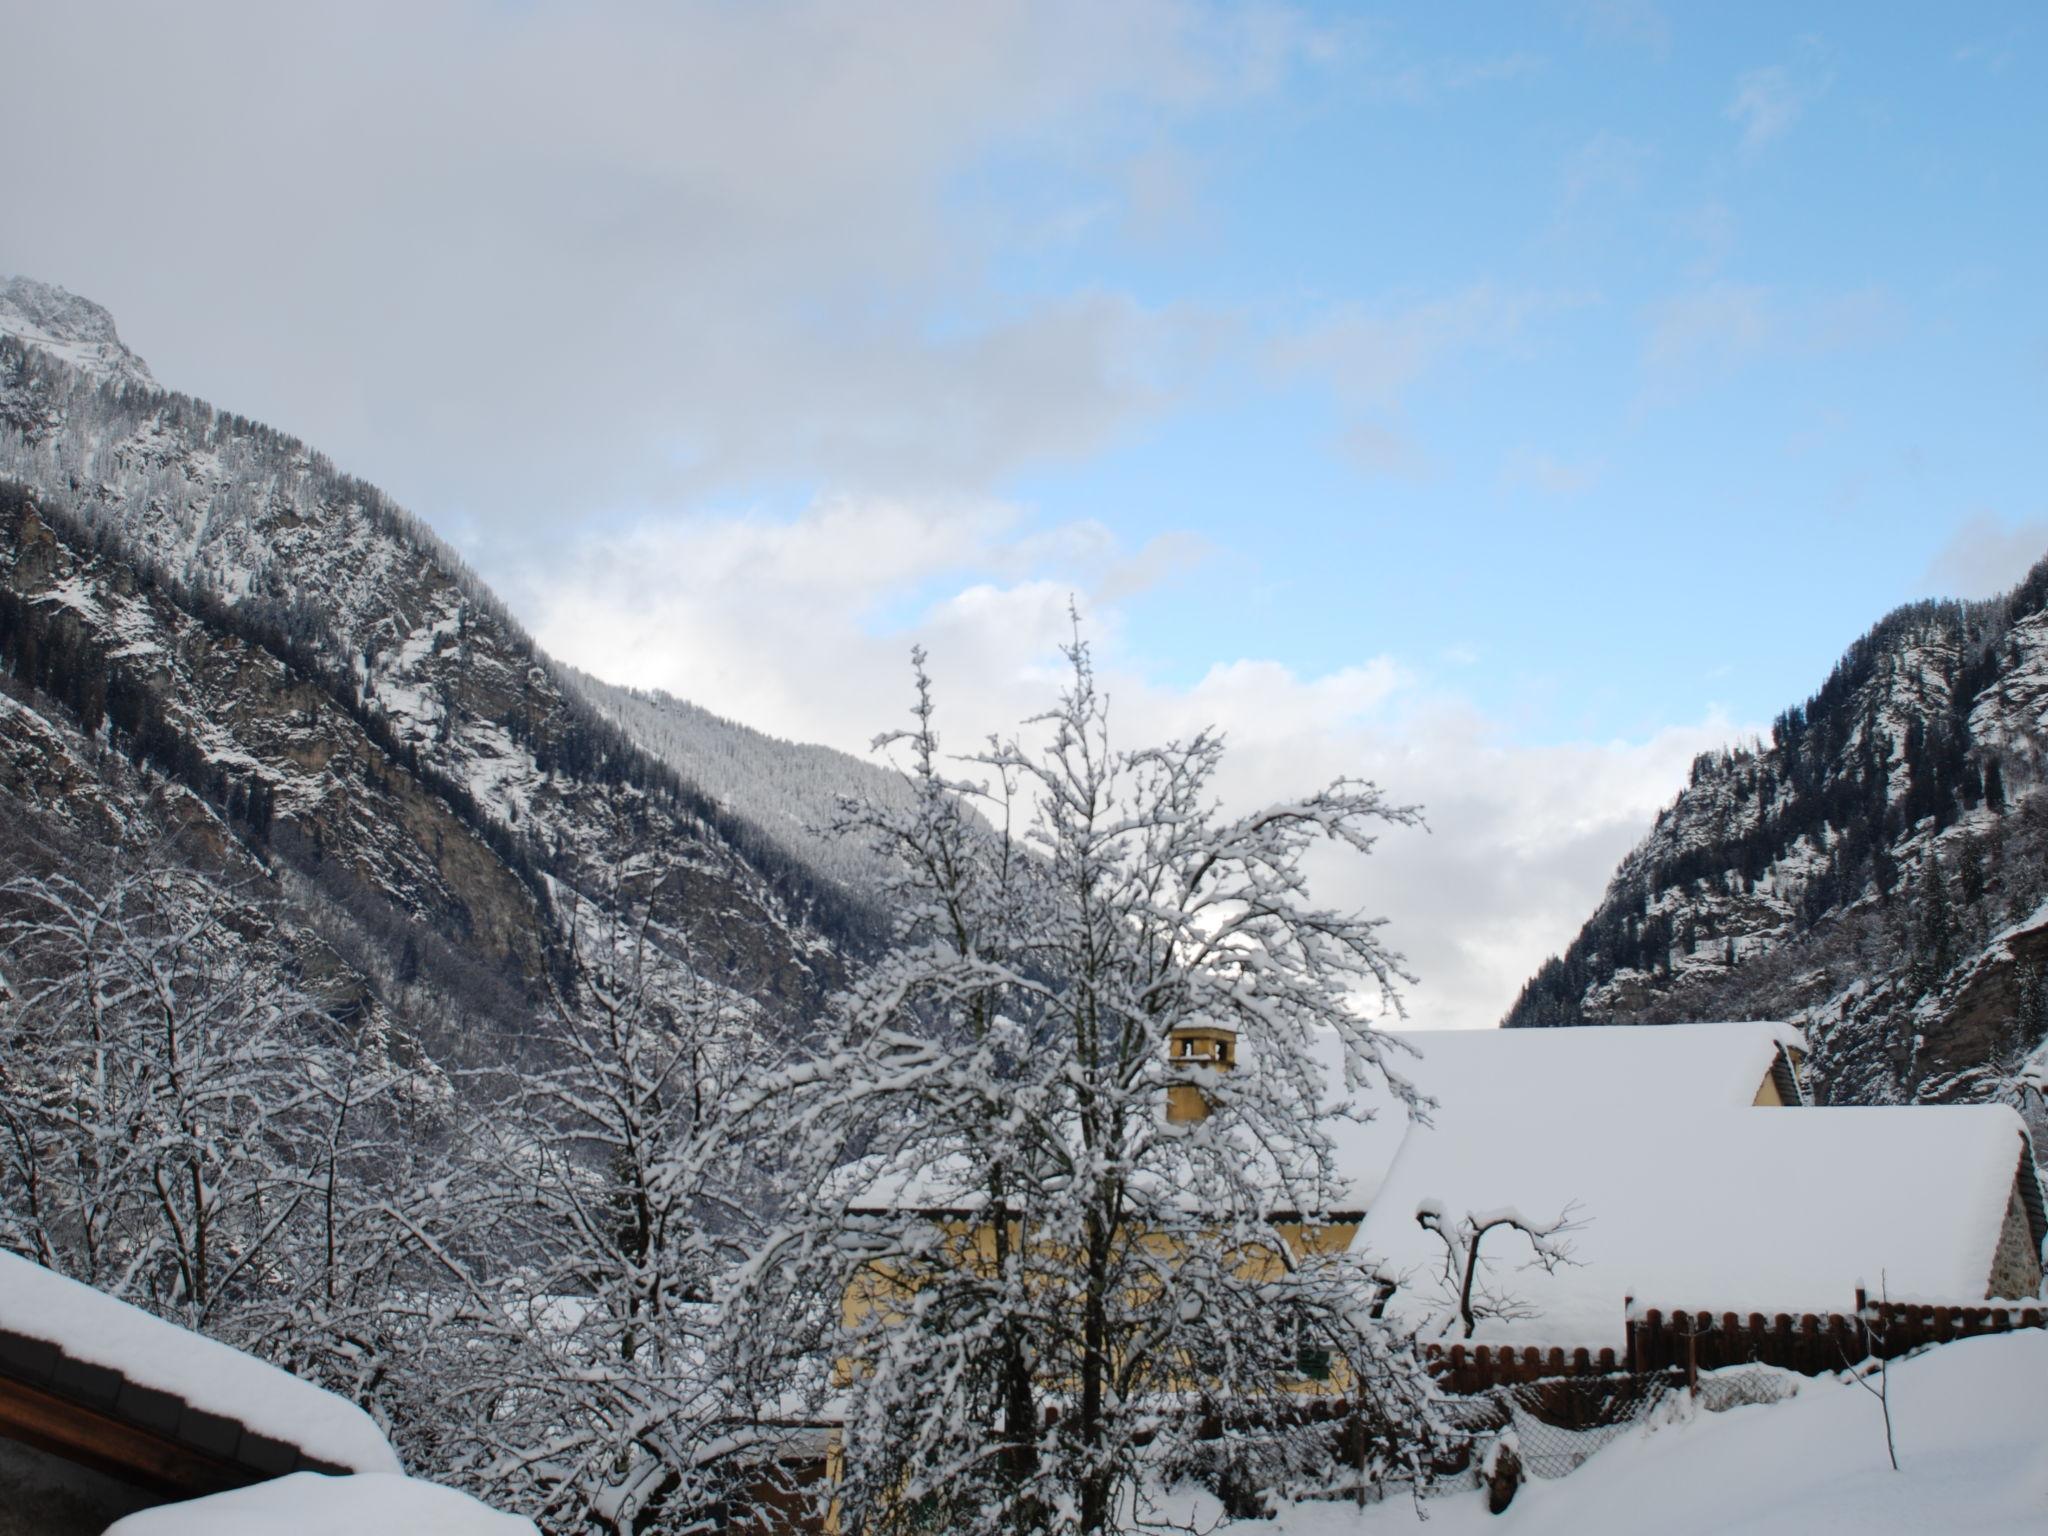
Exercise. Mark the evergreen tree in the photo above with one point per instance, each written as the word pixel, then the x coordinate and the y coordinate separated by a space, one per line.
pixel 1934 928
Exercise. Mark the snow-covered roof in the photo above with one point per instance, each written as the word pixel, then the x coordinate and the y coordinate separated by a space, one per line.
pixel 307 1504
pixel 1700 1206
pixel 1482 1075
pixel 1480 1071
pixel 1687 1195
pixel 90 1328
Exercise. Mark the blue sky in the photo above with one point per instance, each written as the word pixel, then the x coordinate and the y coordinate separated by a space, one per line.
pixel 1723 329
pixel 1502 401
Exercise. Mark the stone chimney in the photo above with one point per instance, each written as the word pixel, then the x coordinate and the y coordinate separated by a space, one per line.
pixel 1188 1049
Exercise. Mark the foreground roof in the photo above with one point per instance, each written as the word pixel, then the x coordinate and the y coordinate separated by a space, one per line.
pixel 96 1379
pixel 306 1504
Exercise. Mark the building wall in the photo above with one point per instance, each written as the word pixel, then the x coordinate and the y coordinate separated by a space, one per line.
pixel 1781 1087
pixel 2016 1269
pixel 882 1288
pixel 45 1495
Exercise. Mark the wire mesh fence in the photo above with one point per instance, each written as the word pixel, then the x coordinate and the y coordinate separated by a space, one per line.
pixel 1558 1424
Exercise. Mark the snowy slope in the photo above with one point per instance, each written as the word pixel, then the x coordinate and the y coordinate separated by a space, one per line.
pixel 789 789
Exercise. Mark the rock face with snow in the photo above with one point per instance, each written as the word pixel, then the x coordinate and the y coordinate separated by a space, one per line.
pixel 75 329
pixel 1875 874
pixel 216 646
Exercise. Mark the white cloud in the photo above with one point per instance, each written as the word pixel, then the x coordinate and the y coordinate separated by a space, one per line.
pixel 775 623
pixel 1373 356
pixel 1984 557
pixel 519 262
pixel 1705 333
pixel 1709 331
pixel 1994 57
pixel 1550 475
pixel 1377 449
pixel 1768 101
pixel 1641 23
pixel 1607 164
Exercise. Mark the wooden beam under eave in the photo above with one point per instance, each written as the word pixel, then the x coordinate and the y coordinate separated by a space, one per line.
pixel 64 1428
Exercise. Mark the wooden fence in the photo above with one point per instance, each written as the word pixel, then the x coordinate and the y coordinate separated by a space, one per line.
pixel 1682 1340
pixel 1464 1369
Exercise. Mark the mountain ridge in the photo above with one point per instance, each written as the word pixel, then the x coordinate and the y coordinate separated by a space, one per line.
pixel 193 602
pixel 1877 872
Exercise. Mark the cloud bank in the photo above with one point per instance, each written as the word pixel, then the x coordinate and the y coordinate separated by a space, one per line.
pixel 803 626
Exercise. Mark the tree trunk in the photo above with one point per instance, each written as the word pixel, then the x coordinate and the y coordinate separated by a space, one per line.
pixel 1096 1480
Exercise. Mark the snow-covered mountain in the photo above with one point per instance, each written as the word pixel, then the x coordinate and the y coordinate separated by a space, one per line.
pixel 216 646
pixel 789 789
pixel 75 329
pixel 1877 872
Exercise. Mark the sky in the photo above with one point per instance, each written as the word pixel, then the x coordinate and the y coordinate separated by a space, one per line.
pixel 1500 401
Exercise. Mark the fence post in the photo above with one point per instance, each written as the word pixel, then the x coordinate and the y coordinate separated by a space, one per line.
pixel 1862 1325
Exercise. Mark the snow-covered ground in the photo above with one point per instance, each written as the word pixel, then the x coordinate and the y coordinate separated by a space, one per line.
pixel 1972 1427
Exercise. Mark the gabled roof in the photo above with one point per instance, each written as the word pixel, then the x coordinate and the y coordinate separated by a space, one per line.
pixel 1601 1072
pixel 1702 1206
pixel 1483 1072
pixel 101 1382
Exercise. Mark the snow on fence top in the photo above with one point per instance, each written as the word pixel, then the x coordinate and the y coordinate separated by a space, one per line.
pixel 94 1329
pixel 1683 1206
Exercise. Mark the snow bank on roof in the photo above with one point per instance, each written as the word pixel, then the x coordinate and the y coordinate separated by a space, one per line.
pixel 90 1326
pixel 1740 1210
pixel 1971 1458
pixel 949 1183
pixel 1699 1066
pixel 1482 1074
pixel 307 1504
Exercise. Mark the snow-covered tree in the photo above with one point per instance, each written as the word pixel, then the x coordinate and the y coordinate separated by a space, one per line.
pixel 600 1399
pixel 1040 1291
pixel 166 1103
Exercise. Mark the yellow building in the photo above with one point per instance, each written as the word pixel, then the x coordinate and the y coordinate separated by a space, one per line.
pixel 969 1240
pixel 1687 1195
